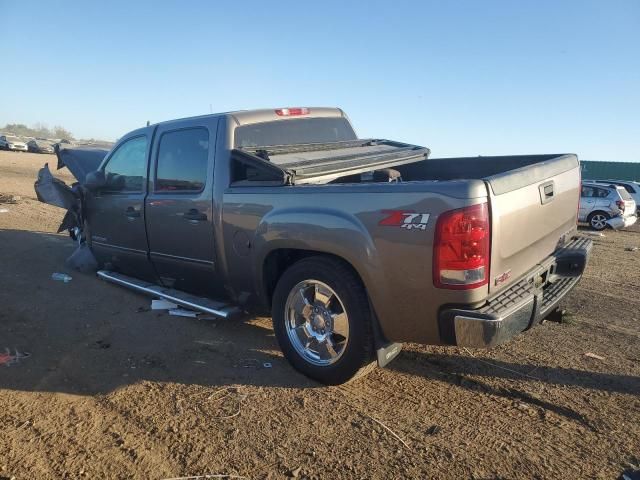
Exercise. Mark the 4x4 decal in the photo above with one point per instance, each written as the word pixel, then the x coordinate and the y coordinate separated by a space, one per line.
pixel 405 219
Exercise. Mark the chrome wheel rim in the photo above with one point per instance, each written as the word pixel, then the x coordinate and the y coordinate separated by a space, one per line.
pixel 599 221
pixel 316 322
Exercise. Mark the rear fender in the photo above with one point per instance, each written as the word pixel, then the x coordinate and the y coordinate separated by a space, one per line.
pixel 321 230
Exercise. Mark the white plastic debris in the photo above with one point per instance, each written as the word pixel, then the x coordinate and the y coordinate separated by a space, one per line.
pixel 4 210
pixel 267 365
pixel 181 312
pixel 593 355
pixel 61 277
pixel 594 234
pixel 162 305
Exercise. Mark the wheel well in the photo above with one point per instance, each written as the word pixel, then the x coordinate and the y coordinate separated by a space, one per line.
pixel 279 260
pixel 597 211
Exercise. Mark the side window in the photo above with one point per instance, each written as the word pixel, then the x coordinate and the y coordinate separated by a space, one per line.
pixel 587 192
pixel 604 193
pixel 126 169
pixel 183 156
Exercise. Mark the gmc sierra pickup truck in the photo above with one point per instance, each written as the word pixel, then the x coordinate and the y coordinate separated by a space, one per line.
pixel 351 245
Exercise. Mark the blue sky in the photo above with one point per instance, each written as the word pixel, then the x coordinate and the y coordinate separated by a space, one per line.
pixel 461 77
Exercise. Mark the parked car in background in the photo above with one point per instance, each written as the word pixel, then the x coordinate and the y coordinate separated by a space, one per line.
pixel 11 142
pixel 40 146
pixel 603 205
pixel 630 186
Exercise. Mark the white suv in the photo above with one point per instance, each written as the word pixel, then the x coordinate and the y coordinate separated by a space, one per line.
pixel 632 187
pixel 603 205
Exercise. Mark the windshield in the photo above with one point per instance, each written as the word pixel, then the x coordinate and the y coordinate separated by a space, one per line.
pixel 290 132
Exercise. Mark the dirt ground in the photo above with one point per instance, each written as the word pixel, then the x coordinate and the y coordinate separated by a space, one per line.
pixel 112 390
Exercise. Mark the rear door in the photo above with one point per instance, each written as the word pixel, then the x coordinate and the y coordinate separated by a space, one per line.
pixel 587 202
pixel 115 214
pixel 179 206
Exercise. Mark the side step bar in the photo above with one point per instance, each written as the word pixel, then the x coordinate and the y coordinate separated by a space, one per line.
pixel 219 309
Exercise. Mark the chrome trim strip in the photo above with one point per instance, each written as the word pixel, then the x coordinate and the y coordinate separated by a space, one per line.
pixel 140 288
pixel 183 259
pixel 116 247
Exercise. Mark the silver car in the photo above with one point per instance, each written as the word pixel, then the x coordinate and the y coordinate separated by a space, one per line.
pixel 603 205
pixel 9 142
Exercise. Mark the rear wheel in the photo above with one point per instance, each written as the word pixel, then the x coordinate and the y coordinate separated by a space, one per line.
pixel 598 220
pixel 322 320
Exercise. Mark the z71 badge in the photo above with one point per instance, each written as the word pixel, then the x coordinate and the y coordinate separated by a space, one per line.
pixel 405 219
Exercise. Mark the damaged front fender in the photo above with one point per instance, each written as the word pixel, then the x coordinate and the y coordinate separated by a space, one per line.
pixel 54 191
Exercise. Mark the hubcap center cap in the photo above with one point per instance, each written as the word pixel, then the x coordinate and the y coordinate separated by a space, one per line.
pixel 317 322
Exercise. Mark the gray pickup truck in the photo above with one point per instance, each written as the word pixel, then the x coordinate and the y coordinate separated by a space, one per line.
pixel 351 245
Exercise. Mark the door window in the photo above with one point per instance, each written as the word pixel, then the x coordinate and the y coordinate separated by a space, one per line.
pixel 587 192
pixel 182 161
pixel 126 169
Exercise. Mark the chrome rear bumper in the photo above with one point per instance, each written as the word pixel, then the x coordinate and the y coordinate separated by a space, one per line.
pixel 521 306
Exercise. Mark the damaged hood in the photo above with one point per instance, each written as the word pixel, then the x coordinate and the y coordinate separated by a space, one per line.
pixel 80 160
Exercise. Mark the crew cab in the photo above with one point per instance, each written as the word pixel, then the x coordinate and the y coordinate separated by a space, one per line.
pixel 351 245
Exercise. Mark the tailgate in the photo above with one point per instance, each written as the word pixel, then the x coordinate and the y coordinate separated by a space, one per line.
pixel 531 208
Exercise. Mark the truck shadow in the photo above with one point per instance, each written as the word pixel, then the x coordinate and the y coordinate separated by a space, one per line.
pixel 479 375
pixel 89 337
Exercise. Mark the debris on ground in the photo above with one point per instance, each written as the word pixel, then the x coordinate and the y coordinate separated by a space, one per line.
pixel 294 473
pixel 7 359
pixel 630 475
pixel 204 477
pixel 4 210
pixel 163 305
pixel 593 355
pixel 632 249
pixel 5 198
pixel 267 365
pixel 102 344
pixel 594 234
pixel 181 312
pixel 433 430
pixel 61 277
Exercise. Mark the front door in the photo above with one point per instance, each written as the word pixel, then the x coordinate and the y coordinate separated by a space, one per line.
pixel 115 214
pixel 179 206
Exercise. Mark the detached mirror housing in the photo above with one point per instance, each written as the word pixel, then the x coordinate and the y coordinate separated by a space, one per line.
pixel 95 180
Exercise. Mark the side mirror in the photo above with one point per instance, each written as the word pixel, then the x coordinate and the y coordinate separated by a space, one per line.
pixel 95 180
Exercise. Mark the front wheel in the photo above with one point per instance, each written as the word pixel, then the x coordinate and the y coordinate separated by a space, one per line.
pixel 322 320
pixel 598 220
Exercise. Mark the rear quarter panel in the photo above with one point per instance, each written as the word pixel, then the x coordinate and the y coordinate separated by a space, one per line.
pixel 395 263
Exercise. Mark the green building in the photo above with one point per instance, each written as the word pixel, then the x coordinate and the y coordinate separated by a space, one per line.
pixel 610 170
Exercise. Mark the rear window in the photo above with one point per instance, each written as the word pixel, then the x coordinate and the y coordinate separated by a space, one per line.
pixel 624 194
pixel 290 132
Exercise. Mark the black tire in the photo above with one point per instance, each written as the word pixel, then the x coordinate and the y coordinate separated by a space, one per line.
pixel 597 225
pixel 357 358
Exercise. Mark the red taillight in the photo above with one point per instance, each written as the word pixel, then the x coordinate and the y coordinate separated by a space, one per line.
pixel 620 204
pixel 461 248
pixel 287 112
